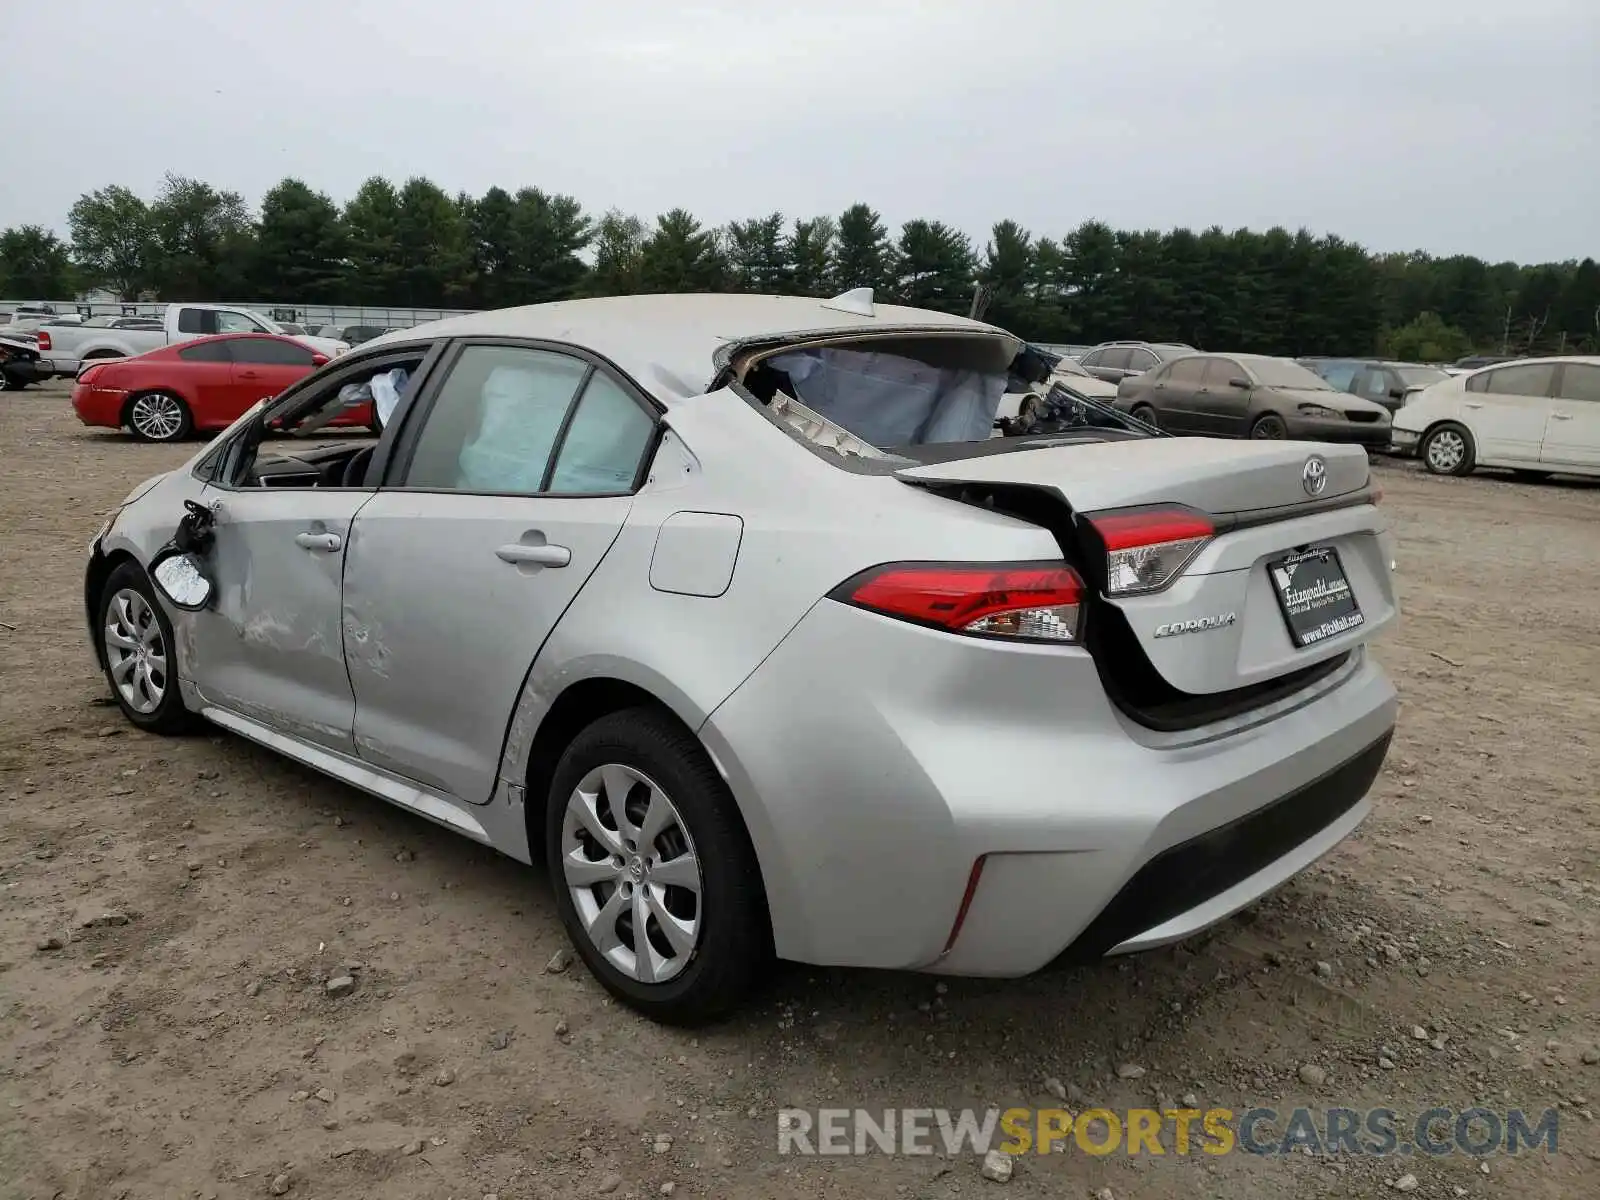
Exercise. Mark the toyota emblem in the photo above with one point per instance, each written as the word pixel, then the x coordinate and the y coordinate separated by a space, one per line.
pixel 1314 476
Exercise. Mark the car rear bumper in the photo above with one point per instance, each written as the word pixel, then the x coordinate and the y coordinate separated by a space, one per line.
pixel 24 370
pixel 1404 441
pixel 878 763
pixel 99 406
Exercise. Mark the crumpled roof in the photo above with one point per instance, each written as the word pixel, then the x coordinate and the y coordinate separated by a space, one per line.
pixel 668 343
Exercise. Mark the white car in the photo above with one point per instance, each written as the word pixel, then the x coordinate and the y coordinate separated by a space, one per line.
pixel 1536 416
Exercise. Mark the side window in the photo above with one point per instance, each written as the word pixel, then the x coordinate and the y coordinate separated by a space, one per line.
pixel 271 352
pixel 1524 379
pixel 1478 382
pixel 1142 360
pixel 232 322
pixel 212 351
pixel 1116 358
pixel 193 320
pixel 1091 359
pixel 603 445
pixel 1579 382
pixel 1187 370
pixel 1219 371
pixel 494 421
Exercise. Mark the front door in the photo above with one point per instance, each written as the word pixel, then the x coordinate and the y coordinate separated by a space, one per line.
pixel 270 646
pixel 484 533
pixel 1572 434
pixel 1507 410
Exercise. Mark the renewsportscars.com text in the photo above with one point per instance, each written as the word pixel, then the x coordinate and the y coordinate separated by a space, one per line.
pixel 1478 1132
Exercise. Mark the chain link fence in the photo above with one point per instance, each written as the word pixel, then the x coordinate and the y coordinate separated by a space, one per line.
pixel 306 315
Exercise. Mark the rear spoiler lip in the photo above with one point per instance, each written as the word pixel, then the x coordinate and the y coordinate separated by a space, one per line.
pixel 1252 517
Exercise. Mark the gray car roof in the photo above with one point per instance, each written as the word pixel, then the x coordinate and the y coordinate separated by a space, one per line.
pixel 668 343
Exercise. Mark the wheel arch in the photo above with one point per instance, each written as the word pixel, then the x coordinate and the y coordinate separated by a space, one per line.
pixel 578 705
pixel 101 565
pixel 134 393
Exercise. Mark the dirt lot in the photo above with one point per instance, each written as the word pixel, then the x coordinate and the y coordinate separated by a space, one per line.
pixel 172 1056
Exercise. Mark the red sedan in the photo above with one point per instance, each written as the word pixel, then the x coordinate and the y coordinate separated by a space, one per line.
pixel 204 384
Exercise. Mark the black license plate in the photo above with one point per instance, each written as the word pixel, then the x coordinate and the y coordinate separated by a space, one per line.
pixel 1317 600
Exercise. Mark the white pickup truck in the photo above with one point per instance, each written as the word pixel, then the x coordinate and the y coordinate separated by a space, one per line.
pixel 68 348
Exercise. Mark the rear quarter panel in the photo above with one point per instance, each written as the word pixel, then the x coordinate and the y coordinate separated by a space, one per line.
pixel 808 525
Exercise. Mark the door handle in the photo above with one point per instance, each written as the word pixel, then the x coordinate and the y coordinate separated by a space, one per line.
pixel 1473 404
pixel 318 541
pixel 1561 416
pixel 519 553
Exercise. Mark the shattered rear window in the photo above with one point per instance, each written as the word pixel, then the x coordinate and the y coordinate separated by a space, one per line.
pixel 888 398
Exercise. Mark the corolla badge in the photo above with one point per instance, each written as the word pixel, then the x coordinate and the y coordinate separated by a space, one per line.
pixel 1196 625
pixel 1314 476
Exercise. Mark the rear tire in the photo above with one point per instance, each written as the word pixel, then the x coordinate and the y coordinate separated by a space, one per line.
pixel 1447 449
pixel 1143 412
pixel 1269 427
pixel 159 417
pixel 140 653
pixel 688 862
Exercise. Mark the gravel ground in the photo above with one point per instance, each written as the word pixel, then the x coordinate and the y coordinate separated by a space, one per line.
pixel 189 1046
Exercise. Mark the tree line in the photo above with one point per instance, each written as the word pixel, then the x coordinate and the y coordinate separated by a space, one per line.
pixel 415 245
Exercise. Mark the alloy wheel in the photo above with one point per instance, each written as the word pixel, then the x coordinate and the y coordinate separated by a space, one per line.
pixel 631 868
pixel 1446 450
pixel 1269 429
pixel 157 416
pixel 135 651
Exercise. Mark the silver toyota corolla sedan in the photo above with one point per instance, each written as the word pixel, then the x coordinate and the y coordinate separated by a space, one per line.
pixel 730 611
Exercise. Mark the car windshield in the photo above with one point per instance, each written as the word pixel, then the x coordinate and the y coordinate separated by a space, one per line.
pixel 1420 376
pixel 1281 373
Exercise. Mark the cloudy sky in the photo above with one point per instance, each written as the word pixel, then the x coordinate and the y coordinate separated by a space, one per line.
pixel 1467 126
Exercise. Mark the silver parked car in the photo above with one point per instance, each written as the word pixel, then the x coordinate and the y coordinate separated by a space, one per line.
pixel 728 610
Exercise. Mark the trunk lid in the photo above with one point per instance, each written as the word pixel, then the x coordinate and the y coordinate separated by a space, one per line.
pixel 1218 477
pixel 1221 637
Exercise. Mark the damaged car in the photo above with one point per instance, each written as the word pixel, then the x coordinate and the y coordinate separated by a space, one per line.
pixel 21 363
pixel 729 612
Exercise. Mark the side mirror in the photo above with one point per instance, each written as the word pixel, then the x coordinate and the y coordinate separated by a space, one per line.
pixel 180 568
pixel 1238 381
pixel 320 360
pixel 182 580
pixel 1397 393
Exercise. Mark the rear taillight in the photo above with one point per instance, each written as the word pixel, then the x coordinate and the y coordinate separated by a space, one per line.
pixel 44 340
pixel 1025 602
pixel 1147 548
pixel 87 375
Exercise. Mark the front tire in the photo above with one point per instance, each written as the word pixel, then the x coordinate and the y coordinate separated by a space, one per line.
pixel 1448 450
pixel 159 417
pixel 140 653
pixel 654 876
pixel 1269 427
